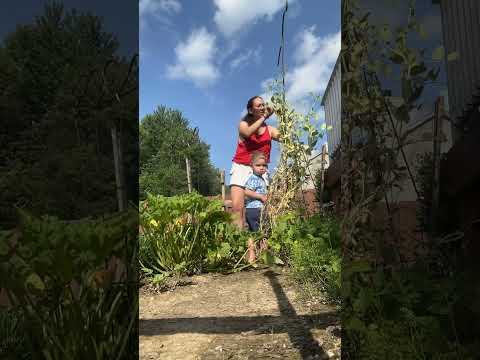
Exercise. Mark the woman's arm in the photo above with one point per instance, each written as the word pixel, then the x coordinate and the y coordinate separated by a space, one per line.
pixel 274 133
pixel 246 130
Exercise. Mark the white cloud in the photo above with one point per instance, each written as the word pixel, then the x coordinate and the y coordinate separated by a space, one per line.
pixel 160 9
pixel 314 61
pixel 266 87
pixel 266 84
pixel 245 58
pixel 309 45
pixel 232 16
pixel 194 59
pixel 157 6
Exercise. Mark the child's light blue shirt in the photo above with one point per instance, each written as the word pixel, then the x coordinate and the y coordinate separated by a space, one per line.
pixel 257 184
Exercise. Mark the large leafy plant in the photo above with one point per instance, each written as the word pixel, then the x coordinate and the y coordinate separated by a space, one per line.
pixel 177 232
pixel 53 272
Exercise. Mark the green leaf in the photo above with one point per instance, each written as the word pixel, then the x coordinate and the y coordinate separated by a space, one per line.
pixel 355 324
pixel 379 278
pixel 432 74
pixel 358 266
pixel 406 89
pixel 401 113
pixel 397 56
pixel 438 53
pixel 417 69
pixel 269 259
pixel 454 55
pixel 439 309
pixel 278 261
pixel 33 280
pixel 362 301
pixel 4 249
pixel 346 288
pixel 225 250
pixel 385 33
pixel 422 32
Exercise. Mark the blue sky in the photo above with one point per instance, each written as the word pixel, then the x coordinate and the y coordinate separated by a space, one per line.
pixel 207 58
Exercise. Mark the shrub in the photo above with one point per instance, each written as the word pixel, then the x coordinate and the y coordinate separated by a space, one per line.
pixel 400 314
pixel 64 300
pixel 13 344
pixel 311 247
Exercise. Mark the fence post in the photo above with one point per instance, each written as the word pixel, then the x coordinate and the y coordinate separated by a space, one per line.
pixel 437 126
pixel 118 163
pixel 189 178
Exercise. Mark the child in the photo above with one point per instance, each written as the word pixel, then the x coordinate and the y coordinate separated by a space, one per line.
pixel 256 195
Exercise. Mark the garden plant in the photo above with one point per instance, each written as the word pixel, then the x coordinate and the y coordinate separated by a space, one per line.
pixel 64 302
pixel 391 308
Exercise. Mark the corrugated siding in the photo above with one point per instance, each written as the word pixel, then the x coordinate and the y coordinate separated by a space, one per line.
pixel 461 32
pixel 332 105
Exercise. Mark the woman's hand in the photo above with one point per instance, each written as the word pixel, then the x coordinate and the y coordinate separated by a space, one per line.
pixel 274 133
pixel 268 112
pixel 263 198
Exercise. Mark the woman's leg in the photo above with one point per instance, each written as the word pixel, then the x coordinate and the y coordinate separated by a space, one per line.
pixel 238 205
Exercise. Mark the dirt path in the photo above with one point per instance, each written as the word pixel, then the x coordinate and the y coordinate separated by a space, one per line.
pixel 248 315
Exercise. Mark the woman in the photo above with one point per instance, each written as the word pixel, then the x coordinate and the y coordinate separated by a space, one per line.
pixel 253 135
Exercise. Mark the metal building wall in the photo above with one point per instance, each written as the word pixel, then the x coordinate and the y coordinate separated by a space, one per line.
pixel 332 104
pixel 461 33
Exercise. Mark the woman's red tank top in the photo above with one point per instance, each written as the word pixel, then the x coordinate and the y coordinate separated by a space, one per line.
pixel 253 143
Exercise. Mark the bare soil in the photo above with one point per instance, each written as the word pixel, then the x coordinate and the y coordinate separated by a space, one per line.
pixel 257 314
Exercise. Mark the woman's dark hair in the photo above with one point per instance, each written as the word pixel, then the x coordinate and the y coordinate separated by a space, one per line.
pixel 250 102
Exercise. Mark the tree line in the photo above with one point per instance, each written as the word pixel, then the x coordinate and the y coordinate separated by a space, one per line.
pixel 63 87
pixel 166 139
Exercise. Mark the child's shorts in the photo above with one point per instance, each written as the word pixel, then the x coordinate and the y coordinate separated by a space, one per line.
pixel 240 173
pixel 253 218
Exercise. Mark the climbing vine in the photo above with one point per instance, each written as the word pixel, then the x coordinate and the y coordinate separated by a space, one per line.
pixel 299 136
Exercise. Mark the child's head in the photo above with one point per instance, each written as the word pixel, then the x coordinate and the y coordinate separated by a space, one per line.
pixel 259 163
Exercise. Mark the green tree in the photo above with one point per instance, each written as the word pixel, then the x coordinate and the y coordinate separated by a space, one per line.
pixel 56 155
pixel 165 140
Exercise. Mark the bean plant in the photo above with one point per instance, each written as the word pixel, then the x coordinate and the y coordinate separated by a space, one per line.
pixel 299 137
